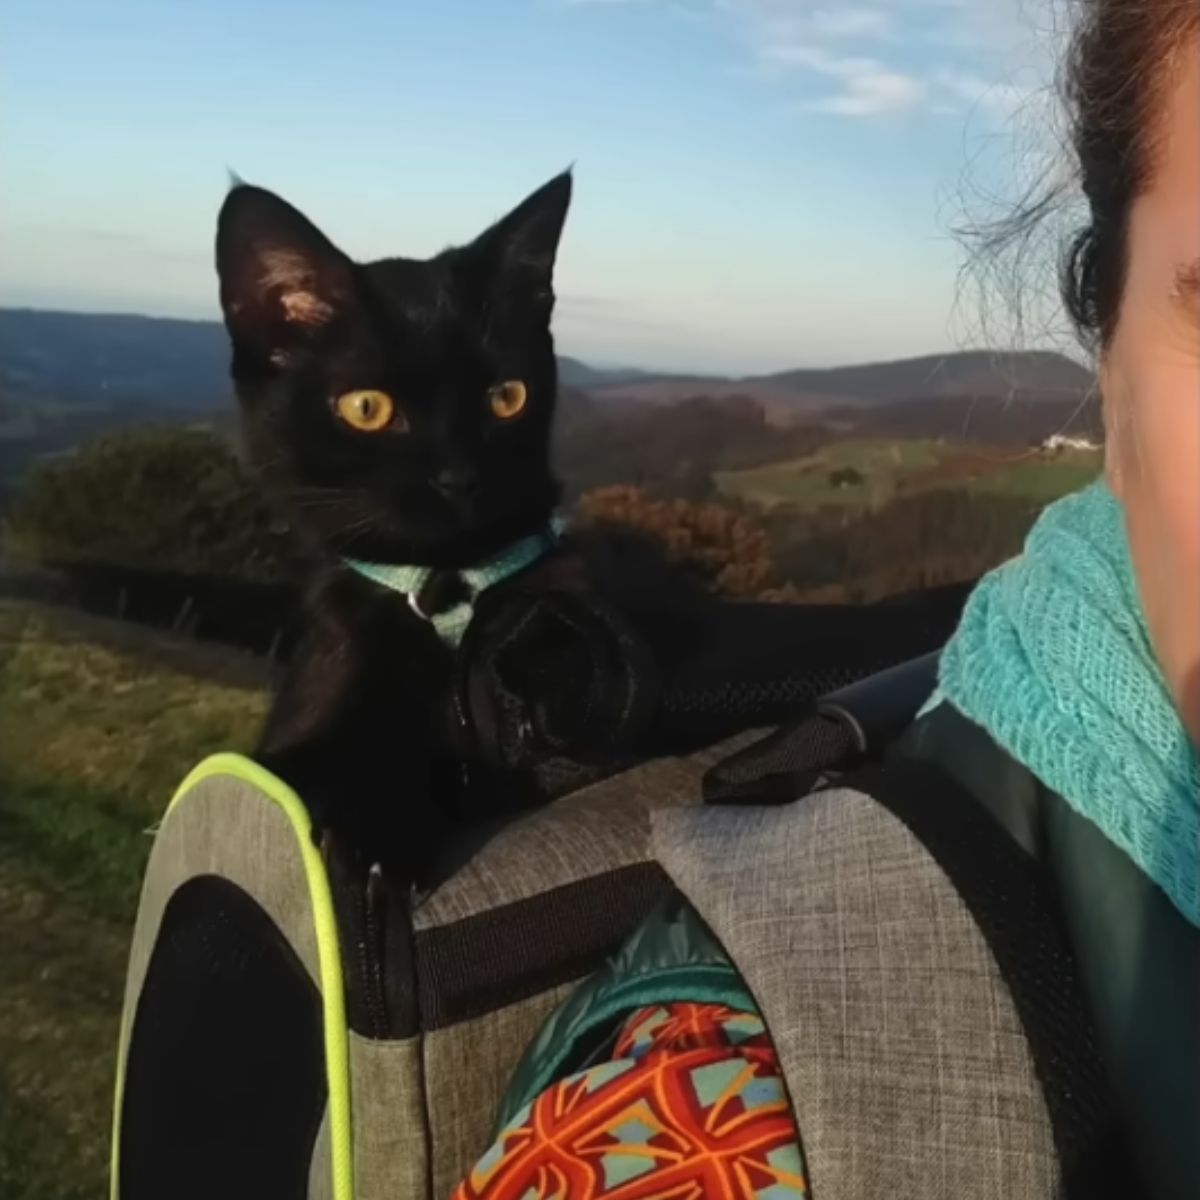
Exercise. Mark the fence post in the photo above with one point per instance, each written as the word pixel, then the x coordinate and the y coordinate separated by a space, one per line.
pixel 182 615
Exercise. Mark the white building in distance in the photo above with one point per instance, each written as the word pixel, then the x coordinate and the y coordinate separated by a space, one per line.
pixel 1059 442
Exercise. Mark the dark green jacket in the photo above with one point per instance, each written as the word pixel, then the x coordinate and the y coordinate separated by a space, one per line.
pixel 1138 959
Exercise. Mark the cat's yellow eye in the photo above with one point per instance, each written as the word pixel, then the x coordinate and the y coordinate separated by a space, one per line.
pixel 367 411
pixel 508 399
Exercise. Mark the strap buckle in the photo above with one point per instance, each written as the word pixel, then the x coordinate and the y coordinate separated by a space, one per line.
pixel 414 602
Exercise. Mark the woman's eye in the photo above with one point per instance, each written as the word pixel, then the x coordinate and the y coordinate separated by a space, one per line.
pixel 369 411
pixel 508 400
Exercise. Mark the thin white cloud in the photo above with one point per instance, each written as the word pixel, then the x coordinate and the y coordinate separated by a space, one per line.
pixel 867 86
pixel 868 93
pixel 976 91
pixel 698 13
pixel 884 56
pixel 851 22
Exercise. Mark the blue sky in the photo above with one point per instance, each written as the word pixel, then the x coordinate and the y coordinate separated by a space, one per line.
pixel 760 183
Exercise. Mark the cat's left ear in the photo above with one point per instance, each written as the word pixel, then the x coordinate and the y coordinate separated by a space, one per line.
pixel 281 278
pixel 521 248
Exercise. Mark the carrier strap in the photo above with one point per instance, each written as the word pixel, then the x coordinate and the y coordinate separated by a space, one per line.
pixel 847 727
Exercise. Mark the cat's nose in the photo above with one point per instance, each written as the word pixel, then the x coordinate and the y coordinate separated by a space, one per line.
pixel 457 483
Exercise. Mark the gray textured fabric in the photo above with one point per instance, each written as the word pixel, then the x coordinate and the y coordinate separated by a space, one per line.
pixel 467 1069
pixel 596 829
pixel 906 1063
pixel 228 828
pixel 391 1133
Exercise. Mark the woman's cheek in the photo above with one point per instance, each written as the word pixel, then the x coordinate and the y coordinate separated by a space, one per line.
pixel 1160 466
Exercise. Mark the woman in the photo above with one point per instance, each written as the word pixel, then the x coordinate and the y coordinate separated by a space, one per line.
pixel 1068 712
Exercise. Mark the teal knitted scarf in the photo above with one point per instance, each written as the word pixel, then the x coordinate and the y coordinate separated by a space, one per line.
pixel 1053 659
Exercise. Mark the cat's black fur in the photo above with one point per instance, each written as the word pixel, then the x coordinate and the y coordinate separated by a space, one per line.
pixel 368 725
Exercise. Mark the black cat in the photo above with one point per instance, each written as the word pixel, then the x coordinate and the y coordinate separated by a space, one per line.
pixel 459 660
pixel 400 412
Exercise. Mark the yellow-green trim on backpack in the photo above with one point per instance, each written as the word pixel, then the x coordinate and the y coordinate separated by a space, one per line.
pixel 337 1046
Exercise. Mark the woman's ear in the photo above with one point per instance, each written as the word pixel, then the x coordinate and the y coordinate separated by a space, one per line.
pixel 281 278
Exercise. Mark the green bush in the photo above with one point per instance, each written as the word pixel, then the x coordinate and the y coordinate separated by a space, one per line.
pixel 174 500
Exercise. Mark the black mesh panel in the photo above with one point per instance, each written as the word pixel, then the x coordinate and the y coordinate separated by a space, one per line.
pixel 225 1079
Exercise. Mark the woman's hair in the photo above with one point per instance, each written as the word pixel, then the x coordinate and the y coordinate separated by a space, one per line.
pixel 1117 74
pixel 1114 81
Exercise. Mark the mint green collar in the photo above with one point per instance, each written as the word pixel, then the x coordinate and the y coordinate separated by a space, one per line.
pixel 452 624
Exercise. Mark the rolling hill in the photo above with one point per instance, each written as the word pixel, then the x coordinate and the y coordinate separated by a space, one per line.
pixel 97 359
pixel 964 376
pixel 94 360
pixel 977 373
pixel 573 373
pixel 68 377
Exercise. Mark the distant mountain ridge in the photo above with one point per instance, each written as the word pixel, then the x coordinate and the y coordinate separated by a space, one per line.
pixel 964 375
pixel 968 372
pixel 575 374
pixel 98 359
pixel 94 358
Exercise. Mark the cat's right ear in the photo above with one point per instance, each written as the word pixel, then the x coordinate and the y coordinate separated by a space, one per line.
pixel 520 249
pixel 282 280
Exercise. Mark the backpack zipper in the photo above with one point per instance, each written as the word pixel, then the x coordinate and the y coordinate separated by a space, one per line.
pixel 371 943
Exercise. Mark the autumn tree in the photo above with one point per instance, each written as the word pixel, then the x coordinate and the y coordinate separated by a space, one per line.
pixel 724 545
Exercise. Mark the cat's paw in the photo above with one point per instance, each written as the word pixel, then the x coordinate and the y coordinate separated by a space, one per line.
pixel 343 845
pixel 352 825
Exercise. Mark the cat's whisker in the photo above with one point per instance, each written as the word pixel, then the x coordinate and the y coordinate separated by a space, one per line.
pixel 356 532
pixel 326 498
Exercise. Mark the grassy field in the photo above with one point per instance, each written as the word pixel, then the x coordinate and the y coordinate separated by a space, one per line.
pixel 1039 480
pixel 93 739
pixel 890 469
pixel 805 482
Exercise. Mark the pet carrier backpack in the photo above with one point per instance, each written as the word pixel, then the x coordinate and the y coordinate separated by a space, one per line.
pixel 289 1035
